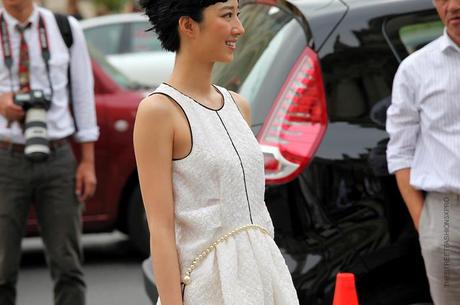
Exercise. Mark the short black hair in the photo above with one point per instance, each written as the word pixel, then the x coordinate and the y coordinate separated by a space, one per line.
pixel 164 16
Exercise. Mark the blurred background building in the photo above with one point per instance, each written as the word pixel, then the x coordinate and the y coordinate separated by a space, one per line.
pixel 89 8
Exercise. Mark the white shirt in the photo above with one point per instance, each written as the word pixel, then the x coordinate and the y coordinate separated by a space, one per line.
pixel 60 121
pixel 424 118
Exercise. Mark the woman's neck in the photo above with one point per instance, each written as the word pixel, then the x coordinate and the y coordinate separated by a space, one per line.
pixel 192 76
pixel 20 12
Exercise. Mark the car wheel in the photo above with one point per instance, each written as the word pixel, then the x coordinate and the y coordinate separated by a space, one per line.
pixel 137 223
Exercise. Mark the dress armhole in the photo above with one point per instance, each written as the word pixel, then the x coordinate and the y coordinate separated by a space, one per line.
pixel 236 104
pixel 237 107
pixel 188 123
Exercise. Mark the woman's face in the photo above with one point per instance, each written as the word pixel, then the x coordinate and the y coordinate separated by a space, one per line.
pixel 219 31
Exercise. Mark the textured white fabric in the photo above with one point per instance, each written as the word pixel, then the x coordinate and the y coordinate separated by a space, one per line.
pixel 211 200
pixel 439 235
pixel 60 122
pixel 423 119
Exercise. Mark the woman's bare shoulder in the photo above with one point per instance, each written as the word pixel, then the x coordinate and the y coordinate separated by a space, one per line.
pixel 243 106
pixel 157 105
pixel 154 116
pixel 157 109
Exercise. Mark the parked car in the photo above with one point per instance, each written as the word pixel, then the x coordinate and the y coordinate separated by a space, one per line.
pixel 123 39
pixel 117 203
pixel 318 75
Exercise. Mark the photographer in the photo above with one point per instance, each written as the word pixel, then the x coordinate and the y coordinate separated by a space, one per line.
pixel 37 165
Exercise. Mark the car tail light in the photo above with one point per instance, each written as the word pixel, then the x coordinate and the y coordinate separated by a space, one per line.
pixel 297 121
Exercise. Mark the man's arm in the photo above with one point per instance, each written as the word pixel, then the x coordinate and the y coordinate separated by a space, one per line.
pixel 412 197
pixel 403 126
pixel 84 111
pixel 82 87
pixel 86 174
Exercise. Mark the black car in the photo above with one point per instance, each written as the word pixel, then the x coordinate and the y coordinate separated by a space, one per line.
pixel 318 74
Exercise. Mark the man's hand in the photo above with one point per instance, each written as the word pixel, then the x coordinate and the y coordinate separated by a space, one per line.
pixel 415 210
pixel 85 180
pixel 8 109
pixel 413 198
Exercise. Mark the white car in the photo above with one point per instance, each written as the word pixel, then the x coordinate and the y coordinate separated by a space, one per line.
pixel 123 40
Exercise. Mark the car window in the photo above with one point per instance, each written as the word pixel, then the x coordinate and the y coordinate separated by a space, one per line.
pixel 358 67
pixel 143 41
pixel 106 38
pixel 409 33
pixel 273 40
pixel 262 66
pixel 416 36
pixel 117 76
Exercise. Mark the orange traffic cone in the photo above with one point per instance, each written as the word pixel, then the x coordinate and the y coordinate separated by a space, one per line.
pixel 345 290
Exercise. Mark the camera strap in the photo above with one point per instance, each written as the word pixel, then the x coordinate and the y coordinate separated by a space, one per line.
pixel 44 46
pixel 46 54
pixel 6 48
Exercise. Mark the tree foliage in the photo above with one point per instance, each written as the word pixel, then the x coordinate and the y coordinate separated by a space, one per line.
pixel 111 5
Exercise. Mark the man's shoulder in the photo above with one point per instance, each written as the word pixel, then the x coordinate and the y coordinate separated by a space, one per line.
pixel 423 56
pixel 50 15
pixel 45 12
pixel 427 50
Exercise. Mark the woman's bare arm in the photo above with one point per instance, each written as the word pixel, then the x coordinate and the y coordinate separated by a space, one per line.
pixel 153 145
pixel 243 106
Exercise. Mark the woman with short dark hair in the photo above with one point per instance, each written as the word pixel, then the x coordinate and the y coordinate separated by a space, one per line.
pixel 201 170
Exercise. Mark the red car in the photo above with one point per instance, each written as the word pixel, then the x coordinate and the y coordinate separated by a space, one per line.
pixel 117 203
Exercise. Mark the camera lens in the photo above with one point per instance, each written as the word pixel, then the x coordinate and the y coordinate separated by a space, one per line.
pixel 36 134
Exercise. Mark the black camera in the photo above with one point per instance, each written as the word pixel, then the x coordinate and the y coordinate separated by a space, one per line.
pixel 32 99
pixel 35 104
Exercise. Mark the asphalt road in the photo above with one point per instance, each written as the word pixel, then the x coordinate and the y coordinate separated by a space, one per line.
pixel 112 268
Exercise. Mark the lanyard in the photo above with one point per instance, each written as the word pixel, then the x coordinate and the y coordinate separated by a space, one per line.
pixel 6 48
pixel 7 53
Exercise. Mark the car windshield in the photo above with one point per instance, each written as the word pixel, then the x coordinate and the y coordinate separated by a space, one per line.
pixel 143 41
pixel 121 79
pixel 272 41
pixel 122 38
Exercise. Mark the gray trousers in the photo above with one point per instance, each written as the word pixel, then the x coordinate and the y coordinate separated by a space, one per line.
pixel 439 233
pixel 51 186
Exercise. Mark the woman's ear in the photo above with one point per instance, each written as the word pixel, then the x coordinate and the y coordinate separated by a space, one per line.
pixel 187 26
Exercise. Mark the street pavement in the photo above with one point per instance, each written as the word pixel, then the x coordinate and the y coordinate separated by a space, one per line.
pixel 112 268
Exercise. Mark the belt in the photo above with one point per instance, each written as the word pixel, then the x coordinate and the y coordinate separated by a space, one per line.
pixel 198 259
pixel 19 148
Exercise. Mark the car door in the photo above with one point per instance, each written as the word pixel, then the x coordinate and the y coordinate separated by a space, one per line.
pixel 357 205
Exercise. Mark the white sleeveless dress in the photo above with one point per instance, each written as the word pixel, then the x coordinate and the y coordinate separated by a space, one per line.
pixel 218 188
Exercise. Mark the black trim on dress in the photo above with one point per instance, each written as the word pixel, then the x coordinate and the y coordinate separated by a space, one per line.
pixel 242 167
pixel 231 96
pixel 188 122
pixel 209 108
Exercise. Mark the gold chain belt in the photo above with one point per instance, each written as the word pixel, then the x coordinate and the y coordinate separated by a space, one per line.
pixel 186 279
